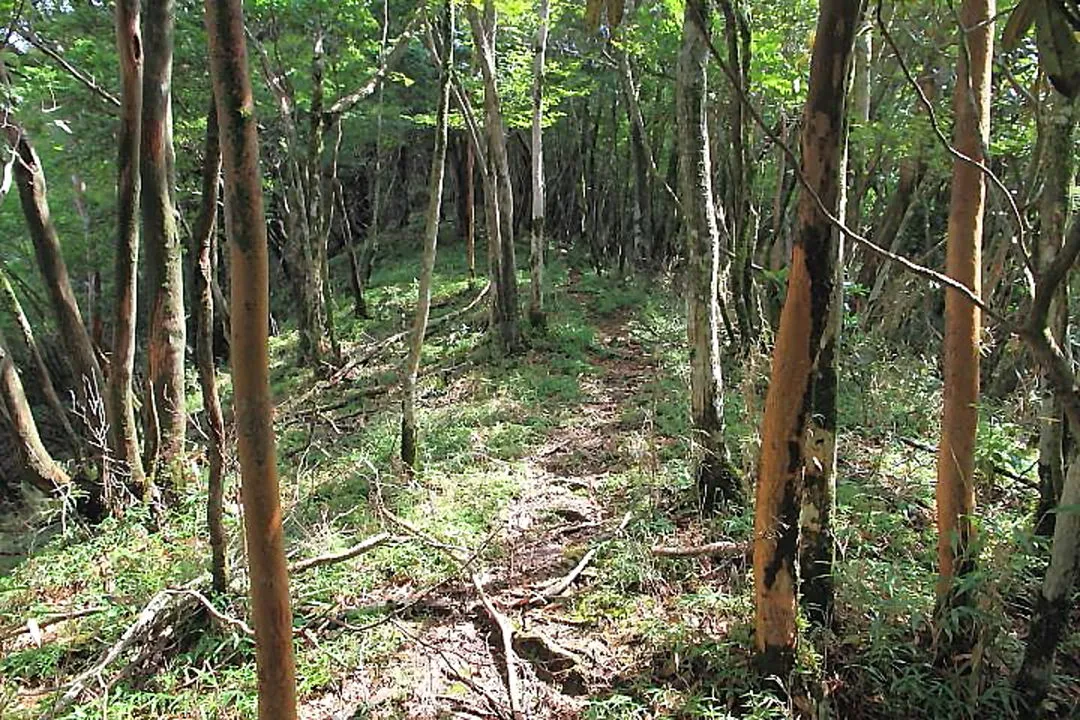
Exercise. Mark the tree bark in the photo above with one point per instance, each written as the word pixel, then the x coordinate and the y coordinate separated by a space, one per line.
pixel 123 438
pixel 204 250
pixel 717 480
pixel 33 196
pixel 246 228
pixel 167 417
pixel 41 370
pixel 956 455
pixel 798 433
pixel 1060 122
pixel 427 261
pixel 537 240
pixel 504 277
pixel 39 468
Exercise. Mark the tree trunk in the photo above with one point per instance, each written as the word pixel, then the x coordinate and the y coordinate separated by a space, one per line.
pixel 507 330
pixel 30 179
pixel 956 455
pixel 798 431
pixel 204 250
pixel 246 229
pixel 1059 121
pixel 468 203
pixel 717 480
pixel 431 236
pixel 123 438
pixel 41 370
pixel 167 416
pixel 537 240
pixel 39 468
pixel 1053 605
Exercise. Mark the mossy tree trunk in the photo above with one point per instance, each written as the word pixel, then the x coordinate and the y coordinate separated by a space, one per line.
pixel 431 236
pixel 246 229
pixel 956 449
pixel 38 467
pixel 717 480
pixel 798 433
pixel 166 419
pixel 33 196
pixel 120 408
pixel 1059 168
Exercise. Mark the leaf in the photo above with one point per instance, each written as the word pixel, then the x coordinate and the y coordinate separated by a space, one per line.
pixel 1059 52
pixel 1020 21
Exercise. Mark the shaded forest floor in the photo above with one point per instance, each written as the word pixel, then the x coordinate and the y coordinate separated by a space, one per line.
pixel 576 449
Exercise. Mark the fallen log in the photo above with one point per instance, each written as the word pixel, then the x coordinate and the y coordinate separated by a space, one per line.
pixel 723 549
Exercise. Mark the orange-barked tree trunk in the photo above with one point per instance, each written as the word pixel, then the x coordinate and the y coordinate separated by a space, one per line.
pixel 798 431
pixel 956 451
pixel 246 228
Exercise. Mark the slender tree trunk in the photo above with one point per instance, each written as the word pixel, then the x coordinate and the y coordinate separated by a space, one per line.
pixel 41 370
pixel 508 333
pixel 469 201
pixel 167 417
pixel 798 433
pixel 246 229
pixel 123 440
pixel 1060 122
pixel 39 468
pixel 956 458
pixel 356 281
pixel 538 240
pixel 30 179
pixel 717 480
pixel 431 236
pixel 203 248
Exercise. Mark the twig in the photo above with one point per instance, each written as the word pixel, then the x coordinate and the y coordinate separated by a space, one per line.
pixel 918 445
pixel 1021 240
pixel 506 630
pixel 722 549
pixel 342 555
pixel 214 612
pixel 71 70
pixel 561 586
pixel 800 176
pixel 47 620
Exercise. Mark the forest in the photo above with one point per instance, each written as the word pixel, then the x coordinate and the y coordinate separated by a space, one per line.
pixel 602 359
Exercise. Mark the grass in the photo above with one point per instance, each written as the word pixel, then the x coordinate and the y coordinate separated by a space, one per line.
pixel 599 399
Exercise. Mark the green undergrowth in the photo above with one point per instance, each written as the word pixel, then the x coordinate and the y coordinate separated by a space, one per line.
pixel 598 397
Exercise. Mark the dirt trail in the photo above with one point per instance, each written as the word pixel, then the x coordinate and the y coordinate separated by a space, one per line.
pixel 452 663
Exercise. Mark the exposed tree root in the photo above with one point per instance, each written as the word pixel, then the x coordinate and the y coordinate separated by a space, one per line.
pixel 506 631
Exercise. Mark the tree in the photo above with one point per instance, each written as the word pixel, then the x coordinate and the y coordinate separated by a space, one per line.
pixel 123 440
pixel 537 240
pixel 717 480
pixel 431 235
pixel 204 249
pixel 956 449
pixel 166 417
pixel 39 468
pixel 1059 124
pixel 498 188
pixel 798 432
pixel 246 228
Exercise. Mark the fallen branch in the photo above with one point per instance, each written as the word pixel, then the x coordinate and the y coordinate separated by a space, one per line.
pixel 722 549
pixel 506 630
pixel 342 555
pixel 214 612
pixel 162 610
pixel 13 631
pixel 561 586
